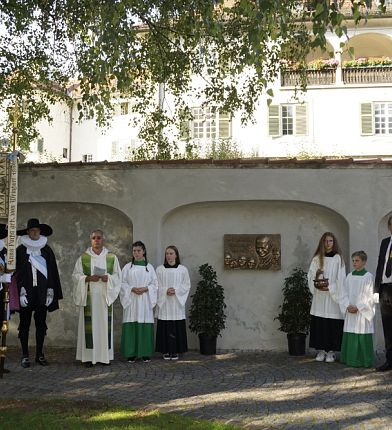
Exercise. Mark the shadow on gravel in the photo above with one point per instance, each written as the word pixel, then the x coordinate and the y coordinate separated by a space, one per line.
pixel 260 390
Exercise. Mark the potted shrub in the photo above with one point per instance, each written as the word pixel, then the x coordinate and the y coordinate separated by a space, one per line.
pixel 294 317
pixel 207 313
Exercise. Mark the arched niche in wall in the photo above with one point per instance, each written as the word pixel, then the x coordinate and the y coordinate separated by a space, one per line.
pixel 253 297
pixel 72 224
pixel 315 54
pixel 368 45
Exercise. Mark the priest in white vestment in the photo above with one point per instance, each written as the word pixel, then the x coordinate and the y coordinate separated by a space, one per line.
pixel 97 283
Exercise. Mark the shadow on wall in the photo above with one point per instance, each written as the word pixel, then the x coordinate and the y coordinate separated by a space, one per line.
pixel 72 224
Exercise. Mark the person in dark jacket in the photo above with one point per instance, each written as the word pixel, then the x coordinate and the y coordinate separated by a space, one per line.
pixel 38 284
pixel 383 286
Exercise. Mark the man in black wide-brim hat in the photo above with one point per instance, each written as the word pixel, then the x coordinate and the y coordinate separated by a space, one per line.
pixel 38 285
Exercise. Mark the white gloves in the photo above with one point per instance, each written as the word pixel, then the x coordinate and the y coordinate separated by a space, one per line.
pixel 23 298
pixel 49 296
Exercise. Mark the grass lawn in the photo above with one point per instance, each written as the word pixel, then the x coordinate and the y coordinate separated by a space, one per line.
pixel 63 414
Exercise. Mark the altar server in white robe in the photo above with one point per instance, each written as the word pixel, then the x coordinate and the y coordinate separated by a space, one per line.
pixel 173 290
pixel 326 325
pixel 138 297
pixel 358 305
pixel 97 283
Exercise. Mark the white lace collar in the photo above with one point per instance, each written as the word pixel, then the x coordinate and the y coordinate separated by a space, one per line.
pixel 33 245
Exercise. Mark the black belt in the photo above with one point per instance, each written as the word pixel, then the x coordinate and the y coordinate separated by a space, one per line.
pixel 388 284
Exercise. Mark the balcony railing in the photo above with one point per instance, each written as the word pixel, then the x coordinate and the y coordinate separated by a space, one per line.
pixel 357 75
pixel 291 78
pixel 367 75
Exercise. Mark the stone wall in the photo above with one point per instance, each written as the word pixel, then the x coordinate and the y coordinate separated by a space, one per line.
pixel 192 205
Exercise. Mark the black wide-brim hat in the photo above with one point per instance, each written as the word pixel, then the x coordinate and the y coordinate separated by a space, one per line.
pixel 46 230
pixel 3 231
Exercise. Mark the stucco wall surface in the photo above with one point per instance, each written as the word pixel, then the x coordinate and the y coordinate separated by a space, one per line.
pixel 193 205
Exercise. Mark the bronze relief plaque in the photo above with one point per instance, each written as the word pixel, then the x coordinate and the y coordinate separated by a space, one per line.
pixel 252 251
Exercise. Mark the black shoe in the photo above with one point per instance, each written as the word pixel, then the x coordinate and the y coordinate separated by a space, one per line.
pixel 25 362
pixel 131 359
pixel 174 357
pixel 146 359
pixel 384 367
pixel 88 364
pixel 41 360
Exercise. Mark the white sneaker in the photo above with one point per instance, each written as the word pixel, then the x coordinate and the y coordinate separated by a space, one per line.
pixel 330 357
pixel 321 356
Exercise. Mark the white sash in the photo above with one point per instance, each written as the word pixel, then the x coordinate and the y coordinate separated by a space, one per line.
pixel 38 263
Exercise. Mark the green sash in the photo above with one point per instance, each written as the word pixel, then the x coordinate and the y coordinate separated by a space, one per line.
pixel 88 327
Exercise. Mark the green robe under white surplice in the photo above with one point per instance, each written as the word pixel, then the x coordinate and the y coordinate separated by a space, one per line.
pixel 137 338
pixel 357 343
pixel 95 302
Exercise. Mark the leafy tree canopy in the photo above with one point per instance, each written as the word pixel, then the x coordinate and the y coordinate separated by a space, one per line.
pixel 126 48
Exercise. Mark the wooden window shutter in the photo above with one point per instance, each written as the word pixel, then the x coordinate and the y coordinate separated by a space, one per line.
pixel 224 125
pixel 40 145
pixel 366 119
pixel 184 130
pixel 301 120
pixel 273 120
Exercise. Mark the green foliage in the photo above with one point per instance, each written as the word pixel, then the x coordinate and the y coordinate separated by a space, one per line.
pixel 87 415
pixel 218 149
pixel 130 49
pixel 207 312
pixel 294 317
pixel 223 149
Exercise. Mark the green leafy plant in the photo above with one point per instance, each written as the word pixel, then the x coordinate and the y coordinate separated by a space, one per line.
pixel 207 312
pixel 92 53
pixel 295 310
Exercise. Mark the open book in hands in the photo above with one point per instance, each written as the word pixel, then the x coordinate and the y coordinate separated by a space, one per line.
pixel 98 271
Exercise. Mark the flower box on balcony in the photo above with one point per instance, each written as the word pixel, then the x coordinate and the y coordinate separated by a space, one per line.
pixel 367 62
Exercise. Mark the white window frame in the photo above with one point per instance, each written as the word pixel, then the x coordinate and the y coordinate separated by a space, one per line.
pixel 287 114
pixel 208 124
pixel 279 123
pixel 376 118
pixel 204 124
pixel 87 158
pixel 382 117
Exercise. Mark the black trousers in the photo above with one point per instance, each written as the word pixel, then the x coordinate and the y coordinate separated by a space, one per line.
pixel 40 328
pixel 386 316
